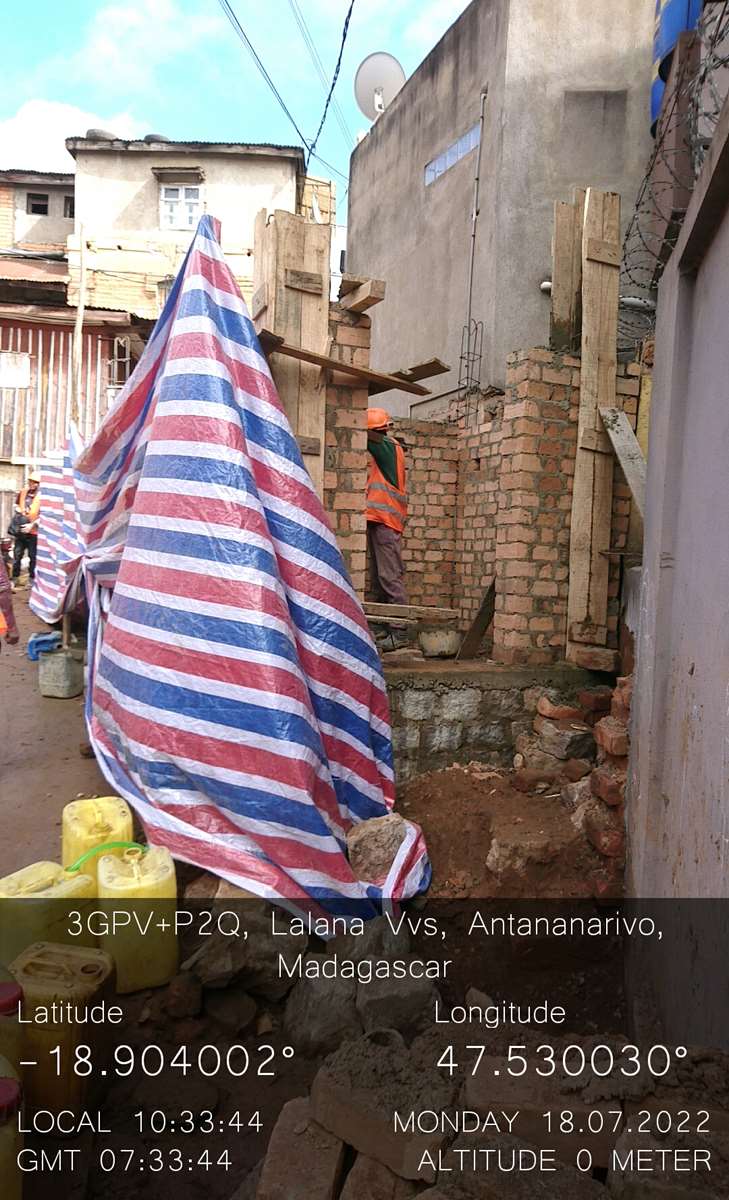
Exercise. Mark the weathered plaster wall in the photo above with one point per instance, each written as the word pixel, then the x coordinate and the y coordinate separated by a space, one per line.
pixel 568 104
pixel 33 230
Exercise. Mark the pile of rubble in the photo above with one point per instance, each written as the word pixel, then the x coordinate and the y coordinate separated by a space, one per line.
pixel 582 745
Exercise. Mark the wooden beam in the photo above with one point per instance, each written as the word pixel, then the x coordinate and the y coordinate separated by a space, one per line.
pixel 412 612
pixel 349 283
pixel 628 453
pixel 599 250
pixel 309 445
pixel 567 273
pixel 274 345
pixel 365 296
pixel 592 492
pixel 424 370
pixel 304 281
pixel 259 301
pixel 471 643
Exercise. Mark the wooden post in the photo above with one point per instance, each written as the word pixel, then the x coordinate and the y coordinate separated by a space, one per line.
pixel 291 299
pixel 593 482
pixel 566 306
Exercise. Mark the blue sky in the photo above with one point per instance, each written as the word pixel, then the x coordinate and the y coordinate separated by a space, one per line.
pixel 176 67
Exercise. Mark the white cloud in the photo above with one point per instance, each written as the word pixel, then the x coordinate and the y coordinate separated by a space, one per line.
pixel 33 139
pixel 125 43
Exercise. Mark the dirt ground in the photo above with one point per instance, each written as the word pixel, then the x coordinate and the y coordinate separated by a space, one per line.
pixel 40 765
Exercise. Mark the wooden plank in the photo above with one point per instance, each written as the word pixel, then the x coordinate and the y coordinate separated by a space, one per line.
pixel 598 442
pixel 273 345
pixel 314 332
pixel 565 317
pixel 304 281
pixel 598 250
pixel 471 643
pixel 593 480
pixel 365 296
pixel 259 302
pixel 350 283
pixel 309 445
pixel 424 370
pixel 413 612
pixel 628 453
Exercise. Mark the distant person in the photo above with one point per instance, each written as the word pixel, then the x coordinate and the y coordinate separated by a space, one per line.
pixel 24 526
pixel 8 626
pixel 386 507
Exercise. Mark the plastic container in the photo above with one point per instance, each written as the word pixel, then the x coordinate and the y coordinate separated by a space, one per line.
pixel 91 823
pixel 76 975
pixel 35 903
pixel 143 884
pixel 11 1140
pixel 11 1031
pixel 41 643
pixel 61 674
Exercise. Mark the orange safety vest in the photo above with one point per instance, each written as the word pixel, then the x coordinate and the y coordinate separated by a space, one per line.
pixel 386 504
pixel 34 510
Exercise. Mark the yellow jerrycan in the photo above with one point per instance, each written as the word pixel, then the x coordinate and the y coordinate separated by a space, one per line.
pixel 35 904
pixel 139 891
pixel 91 823
pixel 11 1140
pixel 73 978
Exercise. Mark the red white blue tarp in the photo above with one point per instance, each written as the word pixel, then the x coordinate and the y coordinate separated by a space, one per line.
pixel 236 699
pixel 57 587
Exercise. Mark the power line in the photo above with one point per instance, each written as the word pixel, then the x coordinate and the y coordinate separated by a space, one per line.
pixel 335 76
pixel 240 31
pixel 320 69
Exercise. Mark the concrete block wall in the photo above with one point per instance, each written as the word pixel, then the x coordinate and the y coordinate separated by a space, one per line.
pixel 345 450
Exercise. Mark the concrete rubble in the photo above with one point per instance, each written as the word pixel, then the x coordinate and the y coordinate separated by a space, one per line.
pixel 373 845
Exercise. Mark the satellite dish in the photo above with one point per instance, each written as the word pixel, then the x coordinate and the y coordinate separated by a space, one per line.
pixel 377 82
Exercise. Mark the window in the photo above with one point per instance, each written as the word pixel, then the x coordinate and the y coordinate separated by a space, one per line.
pixel 37 202
pixel 69 207
pixel 120 363
pixel 180 207
pixel 453 154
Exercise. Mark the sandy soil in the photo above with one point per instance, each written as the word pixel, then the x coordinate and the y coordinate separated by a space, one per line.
pixel 40 765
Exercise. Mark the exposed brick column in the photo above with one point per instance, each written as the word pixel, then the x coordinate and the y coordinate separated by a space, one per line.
pixel 345 453
pixel 535 496
pixel 7 217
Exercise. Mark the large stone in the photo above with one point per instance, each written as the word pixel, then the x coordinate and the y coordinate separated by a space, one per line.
pixel 533 757
pixel 665 1168
pixel 379 940
pixel 575 794
pixel 202 887
pixel 373 845
pixel 605 828
pixel 565 739
pixel 460 704
pixel 184 996
pixel 248 1189
pixel 417 705
pixel 321 1014
pixel 370 1180
pixel 394 1003
pixel 444 735
pixel 611 736
pixel 231 1007
pixel 360 1086
pixel 252 961
pixel 302 1159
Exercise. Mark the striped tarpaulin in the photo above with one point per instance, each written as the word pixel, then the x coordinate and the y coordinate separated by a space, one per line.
pixel 59 559
pixel 236 697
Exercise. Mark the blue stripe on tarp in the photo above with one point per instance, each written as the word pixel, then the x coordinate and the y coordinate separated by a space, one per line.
pixel 263 719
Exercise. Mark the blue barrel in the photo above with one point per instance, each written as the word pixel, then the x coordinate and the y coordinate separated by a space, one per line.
pixel 673 17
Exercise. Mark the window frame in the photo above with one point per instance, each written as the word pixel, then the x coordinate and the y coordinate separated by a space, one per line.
pixel 35 197
pixel 176 222
pixel 69 201
pixel 453 154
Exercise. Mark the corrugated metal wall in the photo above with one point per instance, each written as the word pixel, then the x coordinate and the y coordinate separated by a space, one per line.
pixel 35 419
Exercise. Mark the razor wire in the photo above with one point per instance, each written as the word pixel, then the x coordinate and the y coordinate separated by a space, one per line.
pixel 685 128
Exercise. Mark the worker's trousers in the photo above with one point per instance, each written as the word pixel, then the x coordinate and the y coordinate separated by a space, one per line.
pixel 388 572
pixel 23 542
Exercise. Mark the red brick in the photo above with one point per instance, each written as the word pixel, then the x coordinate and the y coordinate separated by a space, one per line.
pixel 596 699
pixel 608 783
pixel 611 736
pixel 557 711
pixel 605 828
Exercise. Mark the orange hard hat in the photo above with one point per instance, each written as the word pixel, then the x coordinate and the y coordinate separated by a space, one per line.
pixel 377 418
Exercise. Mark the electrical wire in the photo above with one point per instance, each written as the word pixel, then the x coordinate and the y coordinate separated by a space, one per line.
pixel 241 33
pixel 335 77
pixel 320 69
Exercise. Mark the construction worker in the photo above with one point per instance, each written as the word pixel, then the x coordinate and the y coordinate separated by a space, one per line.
pixel 386 507
pixel 24 525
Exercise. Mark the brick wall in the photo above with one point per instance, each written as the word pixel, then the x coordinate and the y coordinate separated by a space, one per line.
pixel 7 216
pixel 479 437
pixel 345 452
pixel 429 542
pixel 538 448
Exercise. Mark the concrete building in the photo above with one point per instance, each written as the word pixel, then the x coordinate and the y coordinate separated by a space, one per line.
pixel 568 104
pixel 138 202
pixel 36 209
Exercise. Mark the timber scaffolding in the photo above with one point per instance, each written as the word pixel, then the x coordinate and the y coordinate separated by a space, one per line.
pixel 519 525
